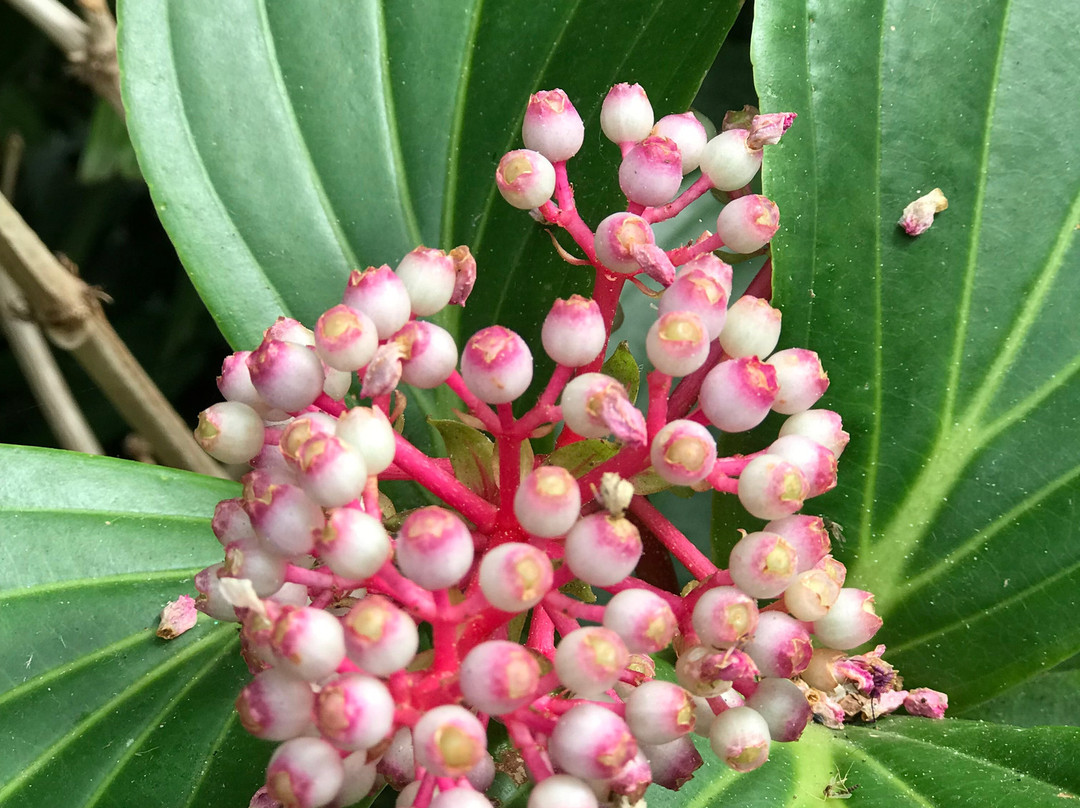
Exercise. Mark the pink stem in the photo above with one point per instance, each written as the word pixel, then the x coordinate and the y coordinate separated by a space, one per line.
pixel 541 633
pixel 425 792
pixel 659 387
pixel 681 255
pixel 672 538
pixel 535 761
pixel 698 189
pixel 565 605
pixel 395 472
pixel 477 407
pixel 420 468
pixel 761 285
pixel 563 623
pixel 686 392
pixel 388 581
pixel 626 464
pixel 329 405
pixel 721 482
pixel 545 411
pixel 444 633
pixel 371 498
pixel 509 444
pixel 673 600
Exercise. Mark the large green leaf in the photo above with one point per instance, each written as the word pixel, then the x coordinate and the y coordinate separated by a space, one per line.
pixel 953 355
pixel 285 147
pixel 94 709
pixel 898 763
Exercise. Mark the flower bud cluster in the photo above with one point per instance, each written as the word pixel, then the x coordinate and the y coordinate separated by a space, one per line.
pixel 382 644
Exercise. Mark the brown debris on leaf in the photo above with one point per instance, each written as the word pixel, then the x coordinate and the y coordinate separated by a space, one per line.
pixel 919 215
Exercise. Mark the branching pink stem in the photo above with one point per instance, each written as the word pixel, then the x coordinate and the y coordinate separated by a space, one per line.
pixel 541 633
pixel 681 255
pixel 563 623
pixel 659 386
pixel 556 601
pixel 545 411
pixel 672 538
pixel 535 760
pixel 722 483
pixel 420 468
pixel 699 188
pixel 636 583
pixel 626 464
pixel 509 444
pixel 477 407
pixel 417 600
pixel 444 632
pixel 761 285
pixel 687 390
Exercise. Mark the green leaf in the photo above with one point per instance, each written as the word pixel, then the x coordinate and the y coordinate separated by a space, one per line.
pixel 94 709
pixel 284 147
pixel 897 763
pixel 624 368
pixel 954 356
pixel 108 151
pixel 581 457
pixel 1051 698
pixel 472 455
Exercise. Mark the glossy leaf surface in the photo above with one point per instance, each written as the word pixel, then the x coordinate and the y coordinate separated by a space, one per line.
pixel 94 709
pixel 284 148
pixel 953 355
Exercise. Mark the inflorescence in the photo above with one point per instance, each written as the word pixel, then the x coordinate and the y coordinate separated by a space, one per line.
pixel 383 644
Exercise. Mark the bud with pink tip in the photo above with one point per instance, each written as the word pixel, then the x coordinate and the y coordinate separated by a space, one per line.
pixel 659 712
pixel 737 394
pixel 771 487
pixel 926 702
pixel 548 502
pixel 595 405
pixel 752 328
pixel 701 286
pixel 300 430
pixel 728 162
pixel 783 706
pixel 305 773
pixel 383 372
pixel 590 660
pixel 380 637
pixel 235 385
pixel 449 741
pixel 230 432
pixel 602 549
pixel 562 791
pixel 429 354
pixel 276 706
pixel 707 672
pixel 591 742
pixel 496 365
pixel 617 237
pixel 677 343
pixel 807 534
pixel 683 452
pixel 308 643
pixel 498 677
pixel 359 780
pixel 801 378
pixel 460 797
pixel 673 764
pixel 288 375
pixel 345 338
pixel 655 263
pixel 353 544
pixel 282 515
pixel 762 564
pixel 689 135
pixel 740 737
pixel 811 595
pixel 397 764
pixel 230 523
pixel 368 430
pixel 631 781
pixel 833 568
pixel 643 619
pixel 725 616
pixel 573 333
pixel 256 563
pixel 331 471
pixel 816 462
pixel 354 711
pixel 850 622
pixel 766 130
pixel 651 172
pixel 429 276
pixel 212 600
pixel 552 126
pixel 525 178
pixel 381 295
pixel 434 548
pixel 781 646
pixel 823 426
pixel 626 116
pixel 748 223
pixel 515 576
pixel 464 274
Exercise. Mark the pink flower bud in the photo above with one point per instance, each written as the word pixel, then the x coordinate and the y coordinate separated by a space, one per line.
pixel 688 134
pixel 397 764
pixel 525 178
pixel 380 637
pixel 276 706
pixel 383 372
pixel 737 394
pixel 683 452
pixel 807 534
pixel 354 711
pixel 265 569
pixel 177 617
pixel 823 426
pixel 801 378
pixel 464 274
pixel 631 781
pixel 728 162
pixel 573 333
pixel 740 737
pixel 707 673
pixel 595 405
pixel 590 660
pixel 515 576
pixel 780 646
pixel 449 741
pixel 833 568
pixel 212 600
pixel 353 544
pixel 230 432
pixel 331 472
pixel 496 365
pixel 616 238
pixel 429 276
pixel 462 796
pixel 926 702
pixel 434 548
pixel 771 487
pixel 235 385
pixel 552 126
pixel 305 773
pixel 548 502
pixel 282 515
pixel 752 328
pixel 643 619
pixel 701 286
pixel 231 523
pixel 381 295
pixel 288 375
pixel 673 764
pixel 286 329
pixel 655 263
pixel 651 172
pixel 498 677
pixel 562 791
pixel 811 595
pixel 659 712
pixel 677 343
pixel 368 431
pixel 748 223
pixel 591 742
pixel 816 462
pixel 783 706
pixel 725 616
pixel 919 215
pixel 626 116
pixel 766 130
pixel 762 564
pixel 429 354
pixel 345 338
pixel 602 549
pixel 850 622
pixel 308 643
pixel 359 780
